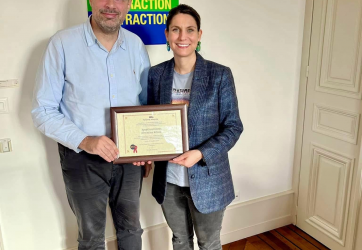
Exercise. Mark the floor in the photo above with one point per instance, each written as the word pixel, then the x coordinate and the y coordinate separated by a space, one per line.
pixel 284 238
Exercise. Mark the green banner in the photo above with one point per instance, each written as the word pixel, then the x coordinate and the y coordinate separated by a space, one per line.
pixel 153 5
pixel 89 7
pixel 149 5
pixel 147 19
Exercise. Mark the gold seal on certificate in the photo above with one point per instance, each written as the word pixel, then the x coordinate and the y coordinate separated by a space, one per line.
pixel 149 133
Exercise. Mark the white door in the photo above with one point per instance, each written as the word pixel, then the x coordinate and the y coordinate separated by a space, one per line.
pixel 330 149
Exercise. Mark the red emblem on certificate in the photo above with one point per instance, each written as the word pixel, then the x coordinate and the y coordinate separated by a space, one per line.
pixel 134 148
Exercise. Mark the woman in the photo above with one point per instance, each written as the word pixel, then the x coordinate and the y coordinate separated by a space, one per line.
pixel 195 188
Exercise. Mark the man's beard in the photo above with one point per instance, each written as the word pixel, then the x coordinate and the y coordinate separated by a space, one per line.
pixel 103 23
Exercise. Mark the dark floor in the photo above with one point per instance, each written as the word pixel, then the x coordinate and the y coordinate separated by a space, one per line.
pixel 284 238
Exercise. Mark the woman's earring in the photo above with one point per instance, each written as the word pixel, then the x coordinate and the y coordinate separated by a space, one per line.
pixel 198 48
pixel 168 46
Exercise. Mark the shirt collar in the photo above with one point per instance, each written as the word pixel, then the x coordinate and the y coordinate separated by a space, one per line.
pixel 92 39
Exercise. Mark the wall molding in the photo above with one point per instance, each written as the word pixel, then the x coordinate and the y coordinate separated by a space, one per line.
pixel 241 220
pixel 256 229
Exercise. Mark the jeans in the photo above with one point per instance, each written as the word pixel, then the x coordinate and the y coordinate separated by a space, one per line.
pixel 89 182
pixel 183 218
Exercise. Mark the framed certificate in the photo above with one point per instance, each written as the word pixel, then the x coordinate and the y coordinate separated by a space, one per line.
pixel 150 132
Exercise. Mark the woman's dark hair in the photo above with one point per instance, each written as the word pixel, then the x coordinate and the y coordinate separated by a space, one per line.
pixel 183 9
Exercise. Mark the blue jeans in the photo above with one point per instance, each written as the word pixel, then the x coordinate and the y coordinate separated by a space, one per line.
pixel 183 218
pixel 89 182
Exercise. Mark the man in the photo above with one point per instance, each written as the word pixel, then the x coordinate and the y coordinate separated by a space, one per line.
pixel 86 70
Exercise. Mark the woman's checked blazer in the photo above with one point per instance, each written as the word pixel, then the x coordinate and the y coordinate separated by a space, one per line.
pixel 214 127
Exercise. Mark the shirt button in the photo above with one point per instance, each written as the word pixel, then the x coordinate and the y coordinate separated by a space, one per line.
pixel 113 96
pixel 111 75
pixel 192 176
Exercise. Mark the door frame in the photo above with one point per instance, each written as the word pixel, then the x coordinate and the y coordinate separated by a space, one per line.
pixel 1 240
pixel 303 82
pixel 358 195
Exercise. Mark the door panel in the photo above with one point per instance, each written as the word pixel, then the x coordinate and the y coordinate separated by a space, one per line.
pixel 333 122
pixel 340 48
pixel 329 191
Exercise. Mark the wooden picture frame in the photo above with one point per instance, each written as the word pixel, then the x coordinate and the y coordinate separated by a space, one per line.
pixel 152 126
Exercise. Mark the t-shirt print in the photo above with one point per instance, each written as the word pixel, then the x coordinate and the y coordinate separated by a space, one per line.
pixel 181 96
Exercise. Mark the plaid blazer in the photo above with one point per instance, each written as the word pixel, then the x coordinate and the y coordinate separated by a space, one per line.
pixel 214 127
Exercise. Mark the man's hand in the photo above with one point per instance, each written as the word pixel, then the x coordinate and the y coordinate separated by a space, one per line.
pixel 148 168
pixel 188 159
pixel 100 145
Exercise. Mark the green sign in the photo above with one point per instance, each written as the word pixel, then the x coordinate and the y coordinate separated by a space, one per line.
pixel 147 19
pixel 149 5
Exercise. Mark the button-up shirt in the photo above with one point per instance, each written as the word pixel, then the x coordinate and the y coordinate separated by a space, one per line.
pixel 78 81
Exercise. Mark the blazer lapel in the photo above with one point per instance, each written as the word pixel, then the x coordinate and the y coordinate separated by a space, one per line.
pixel 166 83
pixel 198 90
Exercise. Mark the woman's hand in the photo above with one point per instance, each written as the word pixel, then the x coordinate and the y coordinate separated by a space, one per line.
pixel 141 163
pixel 148 168
pixel 188 159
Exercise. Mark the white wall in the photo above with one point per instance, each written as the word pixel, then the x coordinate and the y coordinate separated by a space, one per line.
pixel 260 40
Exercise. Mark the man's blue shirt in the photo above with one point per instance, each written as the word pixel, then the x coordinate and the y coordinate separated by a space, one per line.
pixel 79 80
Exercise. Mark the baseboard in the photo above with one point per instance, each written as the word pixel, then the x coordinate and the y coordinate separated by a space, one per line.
pixel 241 220
pixel 255 229
pixel 256 216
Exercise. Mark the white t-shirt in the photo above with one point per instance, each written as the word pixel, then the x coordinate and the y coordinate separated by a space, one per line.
pixel 181 89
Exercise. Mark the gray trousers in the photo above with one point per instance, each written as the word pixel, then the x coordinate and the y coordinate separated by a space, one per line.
pixel 90 181
pixel 183 218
